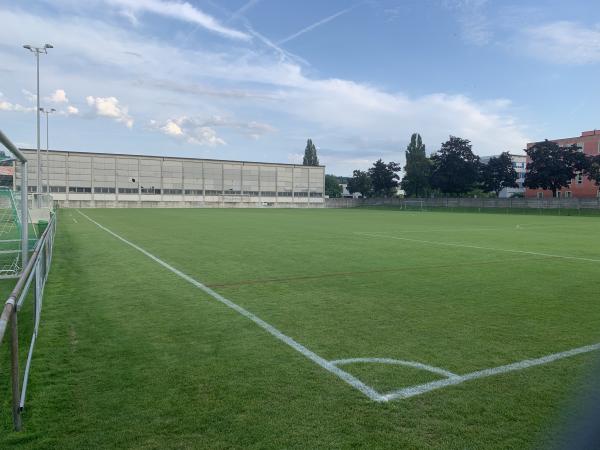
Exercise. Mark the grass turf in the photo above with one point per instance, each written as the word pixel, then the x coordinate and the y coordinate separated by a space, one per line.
pixel 130 355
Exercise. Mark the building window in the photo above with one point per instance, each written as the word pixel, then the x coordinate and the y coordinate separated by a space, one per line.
pixel 58 189
pixel 581 146
pixel 540 195
pixel 316 194
pixel 172 191
pixel 251 193
pixel 104 190
pixel 598 147
pixel 31 188
pixel 558 193
pixel 213 192
pixel 568 194
pixel 232 192
pixel 579 178
pixel 268 194
pixel 128 190
pixel 80 190
pixel 284 194
pixel 300 194
pixel 193 192
pixel 150 191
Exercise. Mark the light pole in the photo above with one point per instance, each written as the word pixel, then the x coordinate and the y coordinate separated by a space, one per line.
pixel 37 51
pixel 47 112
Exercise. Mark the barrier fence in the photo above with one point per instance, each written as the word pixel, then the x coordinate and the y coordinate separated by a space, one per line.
pixel 523 205
pixel 33 276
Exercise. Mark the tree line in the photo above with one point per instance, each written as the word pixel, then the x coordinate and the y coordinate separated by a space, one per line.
pixel 452 170
pixel 455 170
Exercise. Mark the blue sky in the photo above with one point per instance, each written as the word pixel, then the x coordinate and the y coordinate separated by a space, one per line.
pixel 253 79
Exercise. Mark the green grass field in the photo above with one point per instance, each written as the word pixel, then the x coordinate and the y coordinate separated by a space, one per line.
pixel 131 355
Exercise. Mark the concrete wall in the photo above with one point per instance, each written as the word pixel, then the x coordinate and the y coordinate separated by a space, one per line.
pixel 116 180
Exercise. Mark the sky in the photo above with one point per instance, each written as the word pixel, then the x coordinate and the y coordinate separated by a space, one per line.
pixel 254 79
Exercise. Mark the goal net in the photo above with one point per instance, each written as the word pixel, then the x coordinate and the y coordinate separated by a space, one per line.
pixel 10 233
pixel 413 205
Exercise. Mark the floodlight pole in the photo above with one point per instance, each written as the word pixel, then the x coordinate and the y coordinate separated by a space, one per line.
pixel 47 112
pixel 24 216
pixel 37 51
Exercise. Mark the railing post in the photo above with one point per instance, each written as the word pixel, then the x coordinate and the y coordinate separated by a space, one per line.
pixel 24 216
pixel 14 363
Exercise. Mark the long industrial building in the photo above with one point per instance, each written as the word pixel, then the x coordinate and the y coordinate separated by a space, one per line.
pixel 107 180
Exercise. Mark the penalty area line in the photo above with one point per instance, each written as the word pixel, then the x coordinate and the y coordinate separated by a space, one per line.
pixel 323 363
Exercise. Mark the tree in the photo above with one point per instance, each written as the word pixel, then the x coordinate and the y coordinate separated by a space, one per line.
pixel 332 186
pixel 455 168
pixel 361 183
pixel 498 173
pixel 384 178
pixel 593 169
pixel 553 167
pixel 417 169
pixel 310 154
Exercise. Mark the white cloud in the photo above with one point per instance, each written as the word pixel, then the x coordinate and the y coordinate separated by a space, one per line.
pixel 253 82
pixel 30 96
pixel 563 42
pixel 72 110
pixel 58 96
pixel 109 107
pixel 205 136
pixel 183 11
pixel 191 130
pixel 171 128
pixel 8 106
pixel 203 131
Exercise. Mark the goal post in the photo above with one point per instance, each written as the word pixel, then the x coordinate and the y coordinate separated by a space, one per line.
pixel 413 205
pixel 12 227
pixel 21 207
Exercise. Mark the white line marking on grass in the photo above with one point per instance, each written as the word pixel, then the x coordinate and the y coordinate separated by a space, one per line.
pixel 426 387
pixel 451 244
pixel 332 368
pixel 399 362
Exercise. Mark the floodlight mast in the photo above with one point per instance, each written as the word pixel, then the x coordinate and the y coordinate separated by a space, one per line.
pixel 47 112
pixel 37 51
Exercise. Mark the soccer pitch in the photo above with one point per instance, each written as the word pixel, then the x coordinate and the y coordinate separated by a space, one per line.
pixel 216 328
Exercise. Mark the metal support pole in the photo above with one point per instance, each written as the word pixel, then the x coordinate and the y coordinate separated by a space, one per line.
pixel 39 177
pixel 14 365
pixel 47 149
pixel 24 216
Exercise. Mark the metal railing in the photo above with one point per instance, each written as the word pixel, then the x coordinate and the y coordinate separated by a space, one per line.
pixel 557 205
pixel 36 274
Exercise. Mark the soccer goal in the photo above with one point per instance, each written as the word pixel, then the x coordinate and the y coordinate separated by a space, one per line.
pixel 11 229
pixel 414 205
